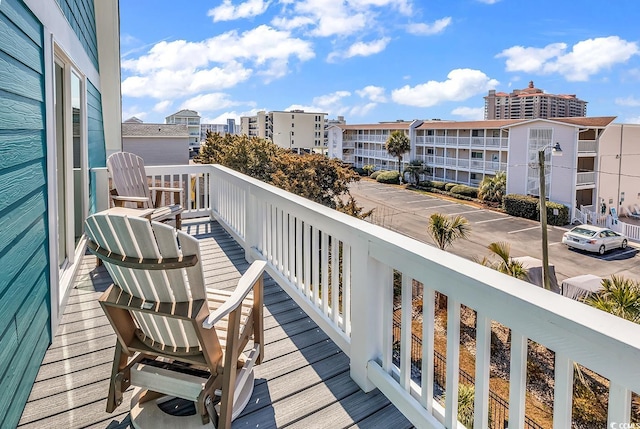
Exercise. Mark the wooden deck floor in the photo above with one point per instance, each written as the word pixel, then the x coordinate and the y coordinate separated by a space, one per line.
pixel 303 382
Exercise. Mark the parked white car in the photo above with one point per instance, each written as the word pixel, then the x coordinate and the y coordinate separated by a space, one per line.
pixel 594 239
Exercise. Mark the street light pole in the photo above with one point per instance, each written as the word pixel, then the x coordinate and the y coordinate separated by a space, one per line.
pixel 543 223
pixel 556 151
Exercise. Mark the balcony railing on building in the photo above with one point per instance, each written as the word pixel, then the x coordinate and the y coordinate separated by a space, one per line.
pixel 586 178
pixel 587 146
pixel 340 271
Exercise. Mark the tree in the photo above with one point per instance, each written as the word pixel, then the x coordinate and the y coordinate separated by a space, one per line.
pixel 318 178
pixel 493 188
pixel 397 145
pixel 619 296
pixel 505 264
pixel 444 230
pixel 415 169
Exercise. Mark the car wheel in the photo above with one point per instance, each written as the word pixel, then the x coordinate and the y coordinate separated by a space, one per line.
pixel 624 244
pixel 601 250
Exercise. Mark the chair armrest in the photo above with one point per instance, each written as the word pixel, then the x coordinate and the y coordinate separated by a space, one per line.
pixel 130 199
pixel 163 189
pixel 245 284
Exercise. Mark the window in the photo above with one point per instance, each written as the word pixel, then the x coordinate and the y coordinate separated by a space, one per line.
pixel 429 151
pixel 476 155
pixel 293 116
pixel 477 133
pixel 293 125
pixel 473 176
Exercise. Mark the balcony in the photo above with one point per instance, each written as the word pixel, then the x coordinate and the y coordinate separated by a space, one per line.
pixel 330 320
pixel 587 178
pixel 589 147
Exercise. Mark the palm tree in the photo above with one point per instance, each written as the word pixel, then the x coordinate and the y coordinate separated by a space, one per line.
pixel 397 145
pixel 415 169
pixel 444 230
pixel 493 188
pixel 505 264
pixel 619 296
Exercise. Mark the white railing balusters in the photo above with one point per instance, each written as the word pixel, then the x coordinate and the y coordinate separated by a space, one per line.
pixel 335 280
pixel 562 392
pixel 518 380
pixel 405 333
pixel 300 280
pixel 453 363
pixel 315 259
pixel 619 405
pixel 483 364
pixel 307 260
pixel 428 322
pixel 324 272
pixel 346 289
pixel 291 251
pixel 279 239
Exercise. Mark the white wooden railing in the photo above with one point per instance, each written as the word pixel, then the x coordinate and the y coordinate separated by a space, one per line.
pixel 587 146
pixel 340 271
pixel 586 178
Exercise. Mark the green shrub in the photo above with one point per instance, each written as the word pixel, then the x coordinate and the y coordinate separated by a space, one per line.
pixel 527 207
pixel 368 169
pixel 360 171
pixel 425 184
pixel 448 186
pixel 375 174
pixel 438 185
pixel 467 191
pixel 388 177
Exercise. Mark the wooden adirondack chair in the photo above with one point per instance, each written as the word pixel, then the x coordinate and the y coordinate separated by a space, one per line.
pixel 131 186
pixel 174 336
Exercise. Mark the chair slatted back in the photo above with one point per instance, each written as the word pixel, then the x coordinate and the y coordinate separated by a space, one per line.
pixel 129 177
pixel 137 239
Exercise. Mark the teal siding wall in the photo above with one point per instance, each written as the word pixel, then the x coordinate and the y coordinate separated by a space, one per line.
pixel 24 252
pixel 95 129
pixel 82 18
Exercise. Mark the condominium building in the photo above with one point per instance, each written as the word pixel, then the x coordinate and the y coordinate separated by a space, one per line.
pixel 532 103
pixel 466 152
pixel 192 120
pixel 295 129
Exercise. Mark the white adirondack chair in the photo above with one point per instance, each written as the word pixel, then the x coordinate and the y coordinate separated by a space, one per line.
pixel 130 186
pixel 174 336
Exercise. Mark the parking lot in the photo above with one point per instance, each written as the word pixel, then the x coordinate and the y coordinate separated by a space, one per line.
pixel 408 212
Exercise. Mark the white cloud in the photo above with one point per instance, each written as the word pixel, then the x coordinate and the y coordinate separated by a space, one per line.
pixel 162 106
pixel 632 120
pixel 228 12
pixel 469 113
pixel 364 49
pixel 133 111
pixel 489 1
pixel 373 93
pixel 184 68
pixel 630 101
pixel 424 29
pixel 460 85
pixel 209 102
pixel 586 58
pixel 362 110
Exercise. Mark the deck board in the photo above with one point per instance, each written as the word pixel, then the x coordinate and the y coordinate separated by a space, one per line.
pixel 303 381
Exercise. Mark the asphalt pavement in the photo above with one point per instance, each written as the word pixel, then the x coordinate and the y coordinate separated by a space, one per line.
pixel 407 212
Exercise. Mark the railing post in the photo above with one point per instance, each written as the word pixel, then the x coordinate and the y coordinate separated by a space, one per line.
pixel 371 285
pixel 251 225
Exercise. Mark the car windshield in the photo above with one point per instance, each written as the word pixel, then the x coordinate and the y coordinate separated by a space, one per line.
pixel 583 231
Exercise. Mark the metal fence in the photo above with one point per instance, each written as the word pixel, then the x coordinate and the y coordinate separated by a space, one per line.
pixel 498 407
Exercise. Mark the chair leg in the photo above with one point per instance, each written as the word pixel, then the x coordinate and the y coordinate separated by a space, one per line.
pixel 230 370
pixel 116 381
pixel 179 221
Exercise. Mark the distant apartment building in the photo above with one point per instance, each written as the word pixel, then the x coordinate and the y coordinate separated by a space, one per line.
pixel 295 129
pixel 532 103
pixel 228 128
pixel 191 119
pixel 466 152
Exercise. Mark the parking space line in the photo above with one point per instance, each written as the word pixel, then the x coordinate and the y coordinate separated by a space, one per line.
pixel 491 220
pixel 460 213
pixel 524 229
pixel 617 255
pixel 557 242
pixel 443 205
pixel 418 201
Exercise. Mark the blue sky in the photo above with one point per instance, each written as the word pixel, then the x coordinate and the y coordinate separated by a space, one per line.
pixel 374 60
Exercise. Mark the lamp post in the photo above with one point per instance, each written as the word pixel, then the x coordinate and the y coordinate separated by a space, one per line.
pixel 556 151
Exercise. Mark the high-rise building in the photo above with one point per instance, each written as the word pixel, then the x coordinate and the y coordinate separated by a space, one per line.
pixel 294 129
pixel 532 103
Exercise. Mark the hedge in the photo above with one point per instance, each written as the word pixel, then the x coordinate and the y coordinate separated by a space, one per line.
pixel 467 191
pixel 388 177
pixel 375 174
pixel 527 207
pixel 438 185
pixel 448 186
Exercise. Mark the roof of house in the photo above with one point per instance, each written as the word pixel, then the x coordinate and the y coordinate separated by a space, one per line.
pixel 134 129
pixel 489 123
pixel 400 125
pixel 185 112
